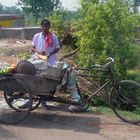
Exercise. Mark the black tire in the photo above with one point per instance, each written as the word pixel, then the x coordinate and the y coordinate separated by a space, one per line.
pixel 125 101
pixel 12 100
pixel 36 102
pixel 10 114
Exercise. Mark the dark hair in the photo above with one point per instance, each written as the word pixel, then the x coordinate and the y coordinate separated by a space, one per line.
pixel 46 21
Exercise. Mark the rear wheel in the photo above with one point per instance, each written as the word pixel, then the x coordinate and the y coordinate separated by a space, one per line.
pixel 125 101
pixel 9 112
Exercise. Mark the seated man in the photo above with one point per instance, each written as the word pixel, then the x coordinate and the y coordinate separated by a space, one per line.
pixel 46 43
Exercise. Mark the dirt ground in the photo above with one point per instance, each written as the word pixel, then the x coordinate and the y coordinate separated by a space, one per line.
pixel 11 48
pixel 58 123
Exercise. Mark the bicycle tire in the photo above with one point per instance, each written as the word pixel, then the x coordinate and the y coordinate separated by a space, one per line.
pixel 35 105
pixel 10 100
pixel 125 104
pixel 8 115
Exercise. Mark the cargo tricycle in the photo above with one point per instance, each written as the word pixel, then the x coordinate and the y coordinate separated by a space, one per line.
pixel 18 88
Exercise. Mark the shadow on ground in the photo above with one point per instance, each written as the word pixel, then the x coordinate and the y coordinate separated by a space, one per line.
pixel 59 119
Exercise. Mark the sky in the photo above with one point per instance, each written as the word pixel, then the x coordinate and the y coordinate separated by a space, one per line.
pixel 68 4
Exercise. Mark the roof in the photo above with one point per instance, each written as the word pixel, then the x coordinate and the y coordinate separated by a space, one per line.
pixel 11 16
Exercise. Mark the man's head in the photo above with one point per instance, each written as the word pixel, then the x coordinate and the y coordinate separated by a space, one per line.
pixel 45 24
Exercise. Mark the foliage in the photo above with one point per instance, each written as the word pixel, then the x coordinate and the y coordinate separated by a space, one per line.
pixel 107 29
pixel 57 21
pixel 5 70
pixel 61 21
pixel 136 4
pixel 24 56
pixel 38 7
pixel 9 10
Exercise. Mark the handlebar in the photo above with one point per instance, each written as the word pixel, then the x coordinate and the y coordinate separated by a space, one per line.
pixel 69 54
pixel 96 66
pixel 108 64
pixel 111 62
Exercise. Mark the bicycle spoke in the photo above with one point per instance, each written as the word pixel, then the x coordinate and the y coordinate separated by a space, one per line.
pixel 125 101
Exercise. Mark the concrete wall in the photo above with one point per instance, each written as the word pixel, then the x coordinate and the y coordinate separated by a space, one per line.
pixel 28 33
pixel 19 33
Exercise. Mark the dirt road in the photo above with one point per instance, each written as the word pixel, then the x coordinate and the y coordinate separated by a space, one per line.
pixel 60 125
pixel 63 125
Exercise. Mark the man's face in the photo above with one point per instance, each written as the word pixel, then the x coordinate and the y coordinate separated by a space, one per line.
pixel 45 27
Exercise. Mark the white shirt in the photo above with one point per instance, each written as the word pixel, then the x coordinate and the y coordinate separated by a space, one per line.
pixel 40 45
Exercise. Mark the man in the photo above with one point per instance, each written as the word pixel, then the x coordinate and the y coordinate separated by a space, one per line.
pixel 46 42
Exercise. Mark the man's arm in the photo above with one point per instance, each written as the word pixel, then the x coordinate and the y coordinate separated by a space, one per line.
pixel 54 52
pixel 33 50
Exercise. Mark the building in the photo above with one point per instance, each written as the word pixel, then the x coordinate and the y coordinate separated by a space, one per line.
pixel 12 20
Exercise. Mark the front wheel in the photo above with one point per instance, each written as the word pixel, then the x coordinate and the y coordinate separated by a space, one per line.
pixel 125 101
pixel 9 112
pixel 16 99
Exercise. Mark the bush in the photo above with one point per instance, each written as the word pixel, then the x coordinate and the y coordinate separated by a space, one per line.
pixel 107 30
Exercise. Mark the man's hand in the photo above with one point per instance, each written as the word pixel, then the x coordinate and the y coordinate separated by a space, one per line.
pixel 32 50
pixel 43 57
pixel 43 53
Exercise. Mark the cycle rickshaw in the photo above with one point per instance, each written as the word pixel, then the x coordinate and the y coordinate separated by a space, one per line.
pixel 16 88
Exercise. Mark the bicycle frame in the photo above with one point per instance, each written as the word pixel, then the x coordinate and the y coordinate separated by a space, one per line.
pixel 112 79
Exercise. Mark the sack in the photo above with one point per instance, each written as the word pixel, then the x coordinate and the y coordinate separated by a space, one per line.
pixel 40 66
pixel 71 83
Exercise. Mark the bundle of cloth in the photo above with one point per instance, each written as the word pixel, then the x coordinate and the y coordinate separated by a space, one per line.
pixel 44 68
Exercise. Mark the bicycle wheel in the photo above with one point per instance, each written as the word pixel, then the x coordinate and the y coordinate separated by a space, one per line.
pixel 14 99
pixel 9 112
pixel 36 102
pixel 125 101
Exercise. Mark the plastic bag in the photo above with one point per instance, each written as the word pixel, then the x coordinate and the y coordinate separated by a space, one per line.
pixel 71 83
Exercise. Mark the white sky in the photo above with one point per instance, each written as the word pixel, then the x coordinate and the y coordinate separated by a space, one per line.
pixel 68 4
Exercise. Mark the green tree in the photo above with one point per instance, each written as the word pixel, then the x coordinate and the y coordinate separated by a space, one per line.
pixel 57 22
pixel 136 4
pixel 57 4
pixel 11 10
pixel 107 29
pixel 61 20
pixel 37 7
pixel 1 8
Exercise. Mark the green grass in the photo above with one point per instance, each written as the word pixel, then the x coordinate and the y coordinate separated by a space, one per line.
pixel 23 56
pixel 134 75
pixel 107 110
pixel 131 115
pixel 104 110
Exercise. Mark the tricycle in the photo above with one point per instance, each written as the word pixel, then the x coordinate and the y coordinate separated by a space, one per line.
pixel 18 88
